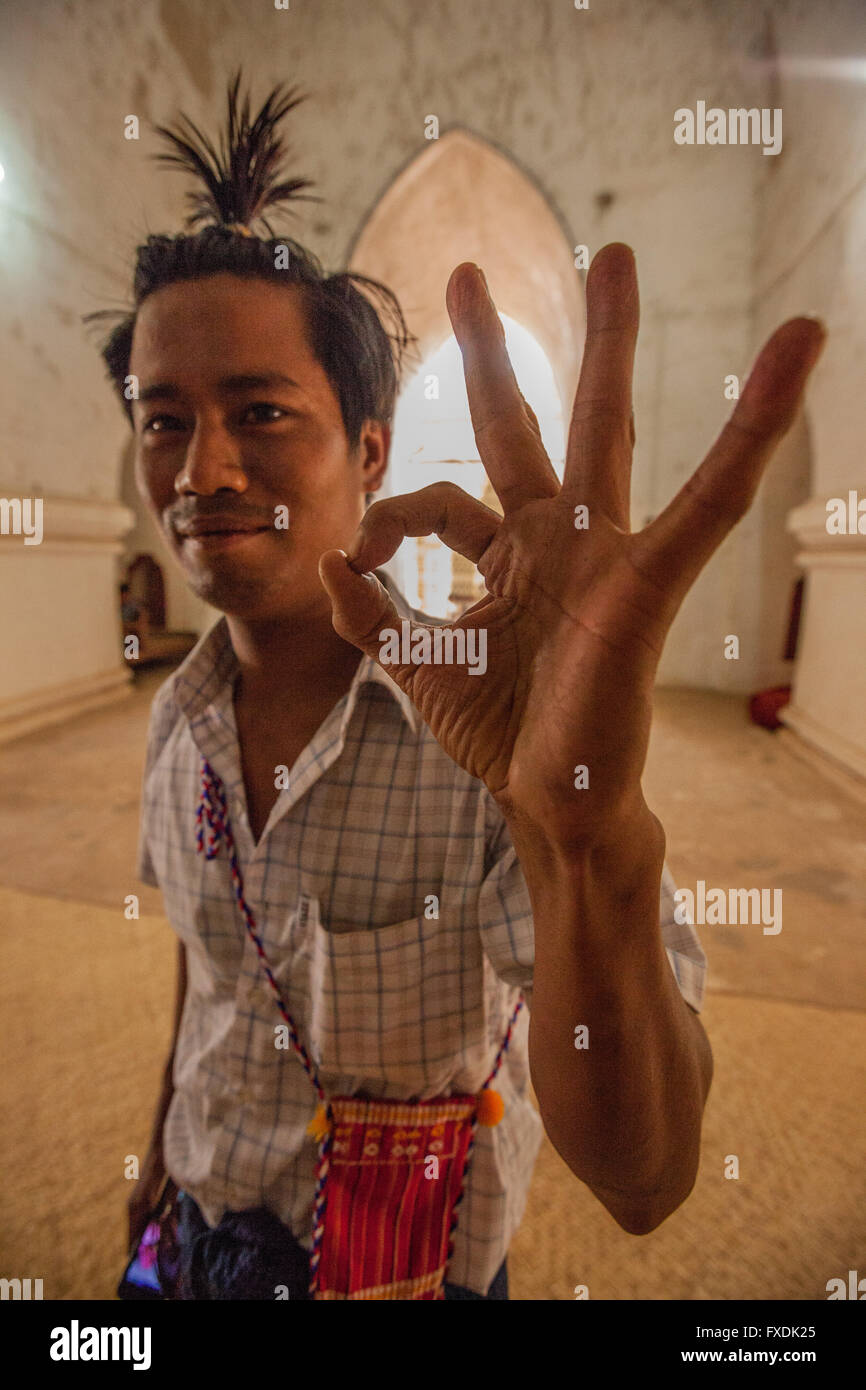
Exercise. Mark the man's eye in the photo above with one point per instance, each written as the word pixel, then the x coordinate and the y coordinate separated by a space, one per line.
pixel 262 413
pixel 277 412
pixel 156 423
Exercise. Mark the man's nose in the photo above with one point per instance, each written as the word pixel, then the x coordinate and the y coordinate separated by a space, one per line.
pixel 213 461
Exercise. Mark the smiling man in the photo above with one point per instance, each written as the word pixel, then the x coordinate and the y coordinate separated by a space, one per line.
pixel 407 848
pixel 237 419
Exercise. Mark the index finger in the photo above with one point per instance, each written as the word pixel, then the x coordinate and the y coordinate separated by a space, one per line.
pixel 509 446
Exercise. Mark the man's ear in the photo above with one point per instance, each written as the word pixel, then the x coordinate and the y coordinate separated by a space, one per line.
pixel 375 446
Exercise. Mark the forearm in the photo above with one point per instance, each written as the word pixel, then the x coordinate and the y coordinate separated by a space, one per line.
pixel 625 1110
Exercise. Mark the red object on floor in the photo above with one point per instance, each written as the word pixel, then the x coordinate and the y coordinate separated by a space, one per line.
pixel 764 707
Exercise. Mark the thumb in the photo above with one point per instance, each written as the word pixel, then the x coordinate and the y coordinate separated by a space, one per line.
pixel 360 604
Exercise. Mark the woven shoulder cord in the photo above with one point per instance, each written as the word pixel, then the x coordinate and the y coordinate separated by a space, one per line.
pixel 213 813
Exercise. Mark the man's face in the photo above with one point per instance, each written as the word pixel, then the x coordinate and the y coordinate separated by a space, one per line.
pixel 236 421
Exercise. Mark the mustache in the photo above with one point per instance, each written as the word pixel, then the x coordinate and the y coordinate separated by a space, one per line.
pixel 187 510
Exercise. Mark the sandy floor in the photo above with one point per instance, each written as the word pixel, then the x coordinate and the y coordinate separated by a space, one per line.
pixel 87 996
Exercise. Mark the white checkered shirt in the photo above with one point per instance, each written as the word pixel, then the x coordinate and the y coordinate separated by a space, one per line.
pixel 388 998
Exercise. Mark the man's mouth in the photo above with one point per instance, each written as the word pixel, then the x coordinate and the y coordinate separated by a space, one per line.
pixel 218 533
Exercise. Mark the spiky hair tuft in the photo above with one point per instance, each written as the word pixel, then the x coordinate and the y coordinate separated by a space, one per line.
pixel 242 178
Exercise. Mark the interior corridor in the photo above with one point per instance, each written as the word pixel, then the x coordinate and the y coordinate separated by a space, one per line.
pixel 86 1039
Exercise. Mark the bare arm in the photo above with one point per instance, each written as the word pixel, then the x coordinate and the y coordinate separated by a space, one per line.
pixel 146 1190
pixel 624 1112
pixel 179 997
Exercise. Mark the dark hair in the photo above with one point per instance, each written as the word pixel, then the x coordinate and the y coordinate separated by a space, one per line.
pixel 361 358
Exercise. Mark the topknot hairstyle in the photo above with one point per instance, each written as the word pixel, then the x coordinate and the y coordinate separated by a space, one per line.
pixel 240 181
pixel 360 341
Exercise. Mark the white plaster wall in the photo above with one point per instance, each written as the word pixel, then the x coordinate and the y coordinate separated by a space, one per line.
pixel 35 617
pixel 811 254
pixel 583 101
pixel 59 623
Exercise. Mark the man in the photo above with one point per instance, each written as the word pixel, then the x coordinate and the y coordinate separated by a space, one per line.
pixel 409 875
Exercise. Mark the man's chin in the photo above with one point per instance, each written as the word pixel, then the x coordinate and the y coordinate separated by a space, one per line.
pixel 241 588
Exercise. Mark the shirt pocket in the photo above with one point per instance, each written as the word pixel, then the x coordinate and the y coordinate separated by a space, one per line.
pixel 390 1009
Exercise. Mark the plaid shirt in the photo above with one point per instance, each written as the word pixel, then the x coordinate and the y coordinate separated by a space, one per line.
pixel 376 833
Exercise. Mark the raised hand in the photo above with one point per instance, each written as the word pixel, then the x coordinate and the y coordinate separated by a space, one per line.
pixel 575 616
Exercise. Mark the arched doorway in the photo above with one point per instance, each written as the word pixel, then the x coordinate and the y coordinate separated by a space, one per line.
pixel 461 199
pixel 433 442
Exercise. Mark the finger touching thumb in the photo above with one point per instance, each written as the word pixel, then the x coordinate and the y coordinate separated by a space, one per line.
pixel 360 604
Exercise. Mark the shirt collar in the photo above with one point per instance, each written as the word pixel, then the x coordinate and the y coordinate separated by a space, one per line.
pixel 207 675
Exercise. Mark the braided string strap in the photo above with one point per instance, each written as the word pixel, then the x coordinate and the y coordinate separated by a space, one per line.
pixel 213 813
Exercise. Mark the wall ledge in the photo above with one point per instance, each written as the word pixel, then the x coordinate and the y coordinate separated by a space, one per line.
pixel 55 704
pixel 808 523
pixel 74 521
pixel 838 755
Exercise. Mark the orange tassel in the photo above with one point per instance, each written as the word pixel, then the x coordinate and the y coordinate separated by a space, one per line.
pixel 319 1125
pixel 491 1108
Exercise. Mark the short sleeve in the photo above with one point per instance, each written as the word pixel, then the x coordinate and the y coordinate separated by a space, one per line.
pixel 507 930
pixel 162 714
pixel 145 864
pixel 505 913
pixel 685 953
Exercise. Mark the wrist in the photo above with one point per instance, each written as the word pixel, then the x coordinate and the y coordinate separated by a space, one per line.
pixel 585 888
pixel 631 835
